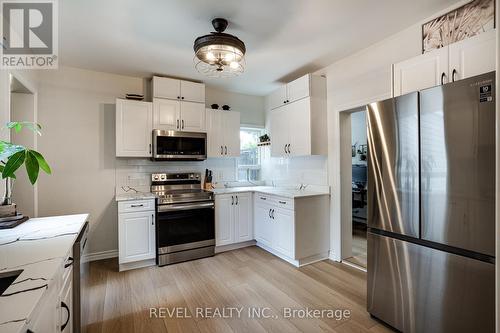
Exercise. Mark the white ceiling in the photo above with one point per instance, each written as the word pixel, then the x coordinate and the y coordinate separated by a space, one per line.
pixel 284 38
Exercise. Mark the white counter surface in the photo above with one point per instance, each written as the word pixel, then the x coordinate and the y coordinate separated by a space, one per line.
pixel 285 192
pixel 135 196
pixel 38 247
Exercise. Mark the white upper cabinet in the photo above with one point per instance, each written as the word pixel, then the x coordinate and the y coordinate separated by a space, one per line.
pixel 192 92
pixel 192 117
pixel 425 71
pixel 299 123
pixel 277 98
pixel 279 131
pixel 223 133
pixel 473 56
pixel 231 133
pixel 466 58
pixel 298 127
pixel 164 87
pixel 291 92
pixel 166 114
pixel 133 128
pixel 298 89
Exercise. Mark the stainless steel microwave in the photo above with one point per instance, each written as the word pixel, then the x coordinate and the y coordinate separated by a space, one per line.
pixel 179 146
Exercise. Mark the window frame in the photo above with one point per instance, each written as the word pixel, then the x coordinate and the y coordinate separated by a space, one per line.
pixel 258 166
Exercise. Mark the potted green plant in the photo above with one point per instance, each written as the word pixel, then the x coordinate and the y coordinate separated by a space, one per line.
pixel 12 157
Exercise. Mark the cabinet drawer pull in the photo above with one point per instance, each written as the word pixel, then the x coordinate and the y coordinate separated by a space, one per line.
pixel 282 202
pixel 182 123
pixel 135 206
pixel 270 214
pixel 177 123
pixel 63 305
pixel 221 150
pixel 232 200
pixel 225 149
pixel 453 75
pixel 262 198
pixel 237 200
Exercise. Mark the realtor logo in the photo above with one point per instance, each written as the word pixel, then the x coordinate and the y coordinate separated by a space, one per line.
pixel 29 34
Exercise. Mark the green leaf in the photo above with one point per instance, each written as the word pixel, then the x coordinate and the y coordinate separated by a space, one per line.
pixel 19 125
pixel 8 149
pixel 42 162
pixel 14 162
pixel 32 167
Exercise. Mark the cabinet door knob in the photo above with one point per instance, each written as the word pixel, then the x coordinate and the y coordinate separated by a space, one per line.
pixel 289 149
pixel 285 149
pixel 443 75
pixel 152 219
pixel 177 124
pixel 270 214
pixel 221 150
pixel 150 148
pixel 225 149
pixel 237 200
pixel 232 200
pixel 182 97
pixel 182 123
pixel 178 97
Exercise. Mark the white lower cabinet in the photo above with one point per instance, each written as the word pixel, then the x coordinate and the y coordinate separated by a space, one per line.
pixel 284 232
pixel 296 230
pixel 233 218
pixel 274 226
pixel 136 234
pixel 55 311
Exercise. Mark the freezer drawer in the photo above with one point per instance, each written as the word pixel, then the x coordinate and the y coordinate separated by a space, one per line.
pixel 419 289
pixel 393 165
pixel 457 135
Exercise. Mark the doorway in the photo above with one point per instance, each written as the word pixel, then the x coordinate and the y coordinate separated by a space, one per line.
pixel 23 108
pixel 354 185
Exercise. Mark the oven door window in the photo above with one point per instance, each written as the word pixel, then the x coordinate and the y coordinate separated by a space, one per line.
pixel 186 226
pixel 175 145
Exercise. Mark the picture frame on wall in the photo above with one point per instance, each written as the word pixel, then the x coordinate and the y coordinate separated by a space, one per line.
pixel 466 21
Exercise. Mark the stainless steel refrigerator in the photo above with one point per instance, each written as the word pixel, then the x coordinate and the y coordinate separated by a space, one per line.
pixel 431 208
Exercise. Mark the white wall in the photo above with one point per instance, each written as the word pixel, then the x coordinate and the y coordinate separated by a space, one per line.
pixel 250 107
pixel 353 82
pixel 22 107
pixel 77 112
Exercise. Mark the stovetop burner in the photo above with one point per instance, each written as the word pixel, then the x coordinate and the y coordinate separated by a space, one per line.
pixel 174 188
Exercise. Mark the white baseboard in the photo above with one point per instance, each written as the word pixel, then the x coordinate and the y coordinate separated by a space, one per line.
pixel 101 255
pixel 230 247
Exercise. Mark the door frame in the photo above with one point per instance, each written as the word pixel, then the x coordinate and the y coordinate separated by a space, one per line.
pixel 340 172
pixel 33 88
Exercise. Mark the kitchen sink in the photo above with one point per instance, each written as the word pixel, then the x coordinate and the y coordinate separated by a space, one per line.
pixel 7 278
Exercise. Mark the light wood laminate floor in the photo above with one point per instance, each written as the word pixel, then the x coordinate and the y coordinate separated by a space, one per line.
pixel 359 247
pixel 248 278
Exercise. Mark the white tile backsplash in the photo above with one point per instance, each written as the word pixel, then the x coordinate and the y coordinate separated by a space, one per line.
pixel 136 173
pixel 312 170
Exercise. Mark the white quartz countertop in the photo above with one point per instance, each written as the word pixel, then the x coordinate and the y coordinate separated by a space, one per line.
pixel 285 192
pixel 38 247
pixel 135 196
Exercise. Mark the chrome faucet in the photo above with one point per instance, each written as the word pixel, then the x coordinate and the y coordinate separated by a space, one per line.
pixel 302 186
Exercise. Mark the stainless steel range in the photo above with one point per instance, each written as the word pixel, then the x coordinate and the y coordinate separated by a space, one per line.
pixel 185 216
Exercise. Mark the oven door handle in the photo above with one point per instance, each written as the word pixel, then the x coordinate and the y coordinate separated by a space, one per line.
pixel 170 208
